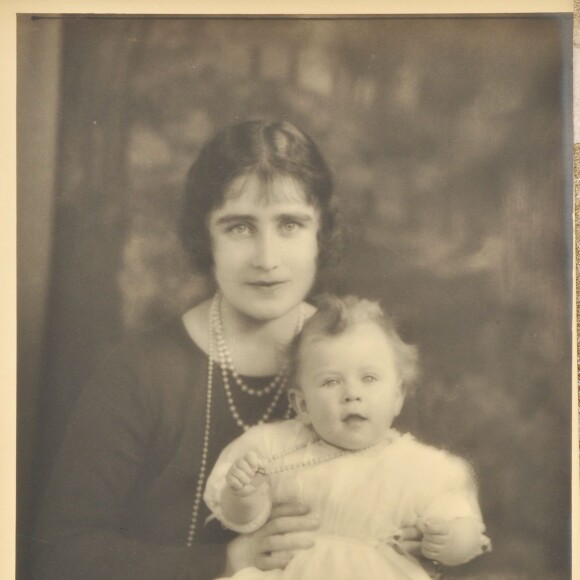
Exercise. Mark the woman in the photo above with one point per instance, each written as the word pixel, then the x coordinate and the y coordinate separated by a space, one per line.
pixel 125 496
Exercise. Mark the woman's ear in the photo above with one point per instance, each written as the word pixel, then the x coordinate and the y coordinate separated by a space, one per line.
pixel 298 402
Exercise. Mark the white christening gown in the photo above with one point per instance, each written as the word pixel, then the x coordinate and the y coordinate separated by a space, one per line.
pixel 362 500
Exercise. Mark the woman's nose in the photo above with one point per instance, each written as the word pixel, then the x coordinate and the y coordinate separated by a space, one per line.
pixel 266 254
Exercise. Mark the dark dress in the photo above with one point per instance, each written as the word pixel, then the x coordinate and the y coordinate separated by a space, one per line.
pixel 121 494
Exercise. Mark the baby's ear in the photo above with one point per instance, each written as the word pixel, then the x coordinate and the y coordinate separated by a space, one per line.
pixel 298 402
pixel 400 400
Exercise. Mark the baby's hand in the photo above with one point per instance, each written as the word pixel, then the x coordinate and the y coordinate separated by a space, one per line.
pixel 451 542
pixel 437 537
pixel 244 478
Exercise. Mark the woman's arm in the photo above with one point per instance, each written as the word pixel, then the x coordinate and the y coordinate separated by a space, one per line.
pixel 287 532
pixel 109 555
pixel 83 529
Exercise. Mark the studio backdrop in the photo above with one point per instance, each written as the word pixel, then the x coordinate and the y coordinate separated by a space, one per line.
pixel 450 145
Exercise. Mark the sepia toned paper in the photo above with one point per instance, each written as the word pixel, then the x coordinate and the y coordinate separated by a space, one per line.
pixel 139 302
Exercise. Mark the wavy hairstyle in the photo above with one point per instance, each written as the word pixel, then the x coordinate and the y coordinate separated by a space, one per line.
pixel 266 150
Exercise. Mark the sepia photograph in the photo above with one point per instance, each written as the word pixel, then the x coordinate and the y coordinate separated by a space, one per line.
pixel 294 296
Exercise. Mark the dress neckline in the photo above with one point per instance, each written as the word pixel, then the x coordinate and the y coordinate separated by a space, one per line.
pixel 257 380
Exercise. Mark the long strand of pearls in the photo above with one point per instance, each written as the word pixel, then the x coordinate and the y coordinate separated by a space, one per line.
pixel 205 446
pixel 226 364
pixel 226 357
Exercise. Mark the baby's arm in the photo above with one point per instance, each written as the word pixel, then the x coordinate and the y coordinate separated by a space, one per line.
pixel 246 490
pixel 451 522
pixel 452 542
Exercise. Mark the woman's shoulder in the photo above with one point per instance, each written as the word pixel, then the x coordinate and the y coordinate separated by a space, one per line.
pixel 128 372
pixel 196 323
pixel 160 360
pixel 168 337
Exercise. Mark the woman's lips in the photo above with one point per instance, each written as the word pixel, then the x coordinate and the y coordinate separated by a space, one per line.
pixel 267 285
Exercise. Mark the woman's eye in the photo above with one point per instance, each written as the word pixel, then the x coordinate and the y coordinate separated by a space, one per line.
pixel 290 227
pixel 239 229
pixel 370 378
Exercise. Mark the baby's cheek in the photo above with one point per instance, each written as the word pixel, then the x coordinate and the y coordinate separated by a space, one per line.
pixel 323 414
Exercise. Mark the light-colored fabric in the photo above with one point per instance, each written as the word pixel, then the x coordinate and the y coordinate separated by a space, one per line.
pixel 362 499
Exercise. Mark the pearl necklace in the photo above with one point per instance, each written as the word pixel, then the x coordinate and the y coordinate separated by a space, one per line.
pixel 205 445
pixel 308 462
pixel 279 382
pixel 226 356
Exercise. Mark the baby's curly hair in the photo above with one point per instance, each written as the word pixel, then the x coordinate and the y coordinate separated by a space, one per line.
pixel 335 315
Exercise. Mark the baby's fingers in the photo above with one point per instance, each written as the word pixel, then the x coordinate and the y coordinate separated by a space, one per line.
pixel 431 552
pixel 243 466
pixel 243 472
pixel 250 464
pixel 239 476
pixel 435 542
pixel 255 461
pixel 435 527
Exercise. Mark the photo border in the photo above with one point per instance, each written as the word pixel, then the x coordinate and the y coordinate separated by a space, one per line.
pixel 8 306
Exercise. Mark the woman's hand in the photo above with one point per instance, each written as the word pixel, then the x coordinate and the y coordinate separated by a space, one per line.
pixel 409 540
pixel 272 546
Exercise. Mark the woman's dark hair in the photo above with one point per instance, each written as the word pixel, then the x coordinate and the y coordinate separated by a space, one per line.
pixel 266 150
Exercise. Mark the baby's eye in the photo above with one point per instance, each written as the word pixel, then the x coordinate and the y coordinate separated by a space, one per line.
pixel 331 382
pixel 370 378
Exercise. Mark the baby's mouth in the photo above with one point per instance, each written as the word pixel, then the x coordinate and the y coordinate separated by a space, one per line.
pixel 354 419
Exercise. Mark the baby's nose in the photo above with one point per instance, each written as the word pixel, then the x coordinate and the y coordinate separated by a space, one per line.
pixel 352 398
pixel 351 393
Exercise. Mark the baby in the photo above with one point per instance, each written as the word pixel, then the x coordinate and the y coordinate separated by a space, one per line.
pixel 340 455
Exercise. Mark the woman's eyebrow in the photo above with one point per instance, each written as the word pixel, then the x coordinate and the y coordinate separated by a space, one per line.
pixel 236 217
pixel 298 216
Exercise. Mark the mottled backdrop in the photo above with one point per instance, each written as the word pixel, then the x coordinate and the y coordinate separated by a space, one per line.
pixel 447 140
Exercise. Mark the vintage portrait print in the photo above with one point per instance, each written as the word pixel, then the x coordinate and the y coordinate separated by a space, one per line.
pixel 448 143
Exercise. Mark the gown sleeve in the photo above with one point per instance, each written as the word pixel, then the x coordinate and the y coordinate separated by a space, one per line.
pixel 454 495
pixel 81 528
pixel 453 491
pixel 254 439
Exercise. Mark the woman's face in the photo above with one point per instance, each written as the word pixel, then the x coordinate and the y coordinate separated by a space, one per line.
pixel 264 247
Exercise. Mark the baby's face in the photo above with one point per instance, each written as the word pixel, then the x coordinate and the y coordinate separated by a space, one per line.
pixel 350 389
